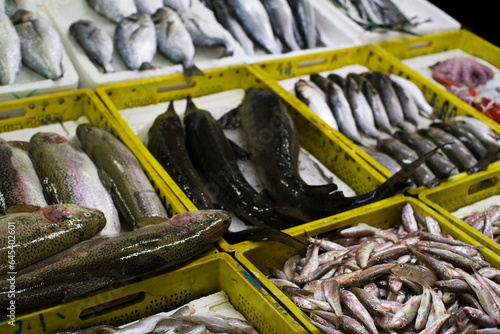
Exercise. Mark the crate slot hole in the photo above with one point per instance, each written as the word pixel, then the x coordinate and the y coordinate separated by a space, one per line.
pixel 169 88
pixel 312 62
pixel 12 113
pixel 419 45
pixel 483 185
pixel 113 305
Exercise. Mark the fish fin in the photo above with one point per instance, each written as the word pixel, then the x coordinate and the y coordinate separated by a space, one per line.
pixel 23 208
pixel 231 119
pixel 190 70
pixel 23 145
pixel 146 66
pixel 239 152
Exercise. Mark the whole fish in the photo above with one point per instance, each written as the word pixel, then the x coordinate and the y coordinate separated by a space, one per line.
pixel 454 149
pixel 213 156
pixel 113 10
pixel 305 18
pixel 167 143
pixel 148 6
pixel 439 164
pixel 228 20
pixel 480 129
pixel 379 113
pixel 20 187
pixel 12 6
pixel 422 175
pixel 70 177
pixel 95 42
pixel 410 108
pixel 121 172
pixel 135 40
pixel 414 92
pixel 103 260
pixel 10 51
pixel 282 21
pixel 174 41
pixel 41 47
pixel 385 160
pixel 207 33
pixel 45 232
pixel 276 158
pixel 315 101
pixel 254 19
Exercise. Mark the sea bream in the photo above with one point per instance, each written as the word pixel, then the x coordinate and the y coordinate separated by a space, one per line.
pixel 10 51
pixel 98 262
pixel 45 232
pixel 148 6
pixel 122 174
pixel 69 176
pixel 113 10
pixel 20 187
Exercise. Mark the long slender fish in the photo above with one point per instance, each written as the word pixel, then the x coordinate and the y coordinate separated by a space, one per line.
pixel 305 18
pixel 480 129
pixel 167 143
pixel 379 112
pixel 131 189
pixel 315 101
pixel 70 177
pixel 41 47
pixel 415 93
pixel 45 232
pixel 113 10
pixel 20 187
pixel 10 51
pixel 103 260
pixel 282 21
pixel 410 108
pixel 95 42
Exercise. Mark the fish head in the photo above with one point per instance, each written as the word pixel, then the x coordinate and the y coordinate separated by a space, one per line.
pixel 139 18
pixel 214 222
pixel 162 13
pixel 23 15
pixel 73 214
pixel 47 138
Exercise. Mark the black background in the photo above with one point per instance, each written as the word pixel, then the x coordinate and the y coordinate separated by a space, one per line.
pixel 479 17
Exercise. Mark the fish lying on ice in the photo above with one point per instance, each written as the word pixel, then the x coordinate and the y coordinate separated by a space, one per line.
pixel 113 10
pixel 10 51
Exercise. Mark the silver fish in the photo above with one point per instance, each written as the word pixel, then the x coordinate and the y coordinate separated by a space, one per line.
pixel 41 47
pixel 113 10
pixel 148 6
pixel 379 113
pixel 385 160
pixel 10 51
pixel 410 108
pixel 282 21
pixel 315 101
pixel 95 42
pixel 480 129
pixel 305 18
pixel 415 93
pixel 174 41
pixel 135 40
pixel 254 19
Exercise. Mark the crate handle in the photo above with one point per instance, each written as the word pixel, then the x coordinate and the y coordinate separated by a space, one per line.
pixel 483 185
pixel 179 86
pixel 113 305
pixel 12 113
pixel 312 62
pixel 419 45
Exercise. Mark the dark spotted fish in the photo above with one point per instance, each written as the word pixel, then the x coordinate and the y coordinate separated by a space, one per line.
pixel 45 232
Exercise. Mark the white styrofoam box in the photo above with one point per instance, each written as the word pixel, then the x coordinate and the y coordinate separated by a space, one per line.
pixel 29 83
pixel 64 12
pixel 433 20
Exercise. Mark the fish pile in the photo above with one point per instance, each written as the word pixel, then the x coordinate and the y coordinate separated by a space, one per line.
pixel 275 26
pixel 204 163
pixel 119 258
pixel 377 15
pixel 100 172
pixel 410 278
pixel 389 118
pixel 183 321
pixel 486 221
pixel 28 39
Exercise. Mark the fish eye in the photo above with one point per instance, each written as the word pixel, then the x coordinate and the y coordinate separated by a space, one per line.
pixel 86 214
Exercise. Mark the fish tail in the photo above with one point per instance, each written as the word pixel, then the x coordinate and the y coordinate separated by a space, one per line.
pixel 108 68
pixel 190 70
pixel 146 66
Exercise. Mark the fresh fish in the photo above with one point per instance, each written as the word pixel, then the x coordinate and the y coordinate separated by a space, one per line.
pixel 10 51
pixel 213 156
pixel 422 176
pixel 361 109
pixel 282 21
pixel 338 79
pixel 45 232
pixel 390 99
pixel 41 47
pixel 305 18
pixel 457 152
pixel 103 260
pixel 167 143
pixel 253 18
pixel 121 172
pixel 207 33
pixel 20 187
pixel 12 6
pixel 410 108
pixel 315 101
pixel 70 177
pixel 95 42
pixel 135 41
pixel 113 10
pixel 414 92
pixel 218 323
pixel 358 311
pixel 439 164
pixel 385 160
pixel 148 6
pixel 180 6
pixel 480 129
pixel 377 106
pixel 174 41
pixel 227 19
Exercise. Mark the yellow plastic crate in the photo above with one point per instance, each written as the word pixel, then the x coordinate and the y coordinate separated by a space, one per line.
pixel 462 39
pixel 165 292
pixel 375 59
pixel 257 257
pixel 315 138
pixel 450 197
